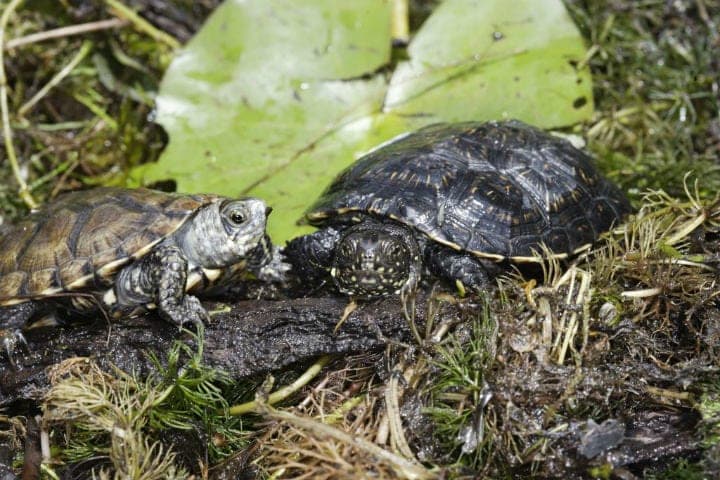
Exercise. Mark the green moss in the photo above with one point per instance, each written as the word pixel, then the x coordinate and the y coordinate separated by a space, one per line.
pixel 458 393
pixel 681 470
pixel 133 424
pixel 655 76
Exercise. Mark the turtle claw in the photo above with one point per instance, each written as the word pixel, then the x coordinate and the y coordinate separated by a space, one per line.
pixel 12 341
pixel 189 311
pixel 276 269
pixel 195 312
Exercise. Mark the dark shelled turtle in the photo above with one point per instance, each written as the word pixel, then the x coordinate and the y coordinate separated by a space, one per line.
pixel 458 199
pixel 125 249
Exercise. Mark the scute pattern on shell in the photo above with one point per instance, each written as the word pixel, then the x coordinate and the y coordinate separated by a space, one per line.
pixel 496 189
pixel 85 237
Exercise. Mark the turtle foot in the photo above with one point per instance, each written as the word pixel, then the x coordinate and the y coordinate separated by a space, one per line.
pixel 12 340
pixel 464 270
pixel 189 311
pixel 275 271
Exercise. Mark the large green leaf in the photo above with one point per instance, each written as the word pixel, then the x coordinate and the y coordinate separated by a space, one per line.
pixel 479 59
pixel 273 97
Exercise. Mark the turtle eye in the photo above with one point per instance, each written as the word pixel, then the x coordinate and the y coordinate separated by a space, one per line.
pixel 237 216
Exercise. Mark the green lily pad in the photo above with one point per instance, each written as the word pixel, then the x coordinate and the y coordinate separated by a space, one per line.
pixel 273 97
pixel 476 60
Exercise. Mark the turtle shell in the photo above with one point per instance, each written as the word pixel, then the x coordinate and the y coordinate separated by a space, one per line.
pixel 85 237
pixel 498 190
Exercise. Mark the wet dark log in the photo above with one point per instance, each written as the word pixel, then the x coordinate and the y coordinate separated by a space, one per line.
pixel 251 338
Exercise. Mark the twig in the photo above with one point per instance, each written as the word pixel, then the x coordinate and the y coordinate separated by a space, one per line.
pixel 400 24
pixel 644 293
pixel 122 11
pixel 284 392
pixel 66 32
pixel 686 229
pixel 81 54
pixel 7 132
pixel 392 405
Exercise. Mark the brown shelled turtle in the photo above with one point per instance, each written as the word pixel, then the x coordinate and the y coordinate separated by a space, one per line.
pixel 121 249
pixel 457 199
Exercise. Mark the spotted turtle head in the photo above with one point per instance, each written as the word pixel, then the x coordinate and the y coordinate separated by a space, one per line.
pixel 374 260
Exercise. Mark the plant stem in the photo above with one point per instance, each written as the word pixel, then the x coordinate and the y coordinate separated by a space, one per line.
pixel 66 32
pixel 142 25
pixel 284 392
pixel 7 132
pixel 81 54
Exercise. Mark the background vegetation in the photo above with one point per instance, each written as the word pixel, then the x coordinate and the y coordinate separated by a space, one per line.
pixel 532 377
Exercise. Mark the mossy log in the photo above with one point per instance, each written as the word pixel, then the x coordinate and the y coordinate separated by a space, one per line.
pixel 244 339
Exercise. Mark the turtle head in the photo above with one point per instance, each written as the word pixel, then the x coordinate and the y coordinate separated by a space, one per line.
pixel 372 261
pixel 223 233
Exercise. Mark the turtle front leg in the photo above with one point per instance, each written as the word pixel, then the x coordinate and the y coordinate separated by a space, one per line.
pixel 160 278
pixel 311 256
pixel 267 262
pixel 13 319
pixel 472 272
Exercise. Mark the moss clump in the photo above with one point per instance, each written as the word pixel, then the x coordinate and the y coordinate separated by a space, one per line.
pixel 655 72
pixel 158 427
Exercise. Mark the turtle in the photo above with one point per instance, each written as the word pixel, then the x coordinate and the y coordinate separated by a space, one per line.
pixel 124 250
pixel 457 201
